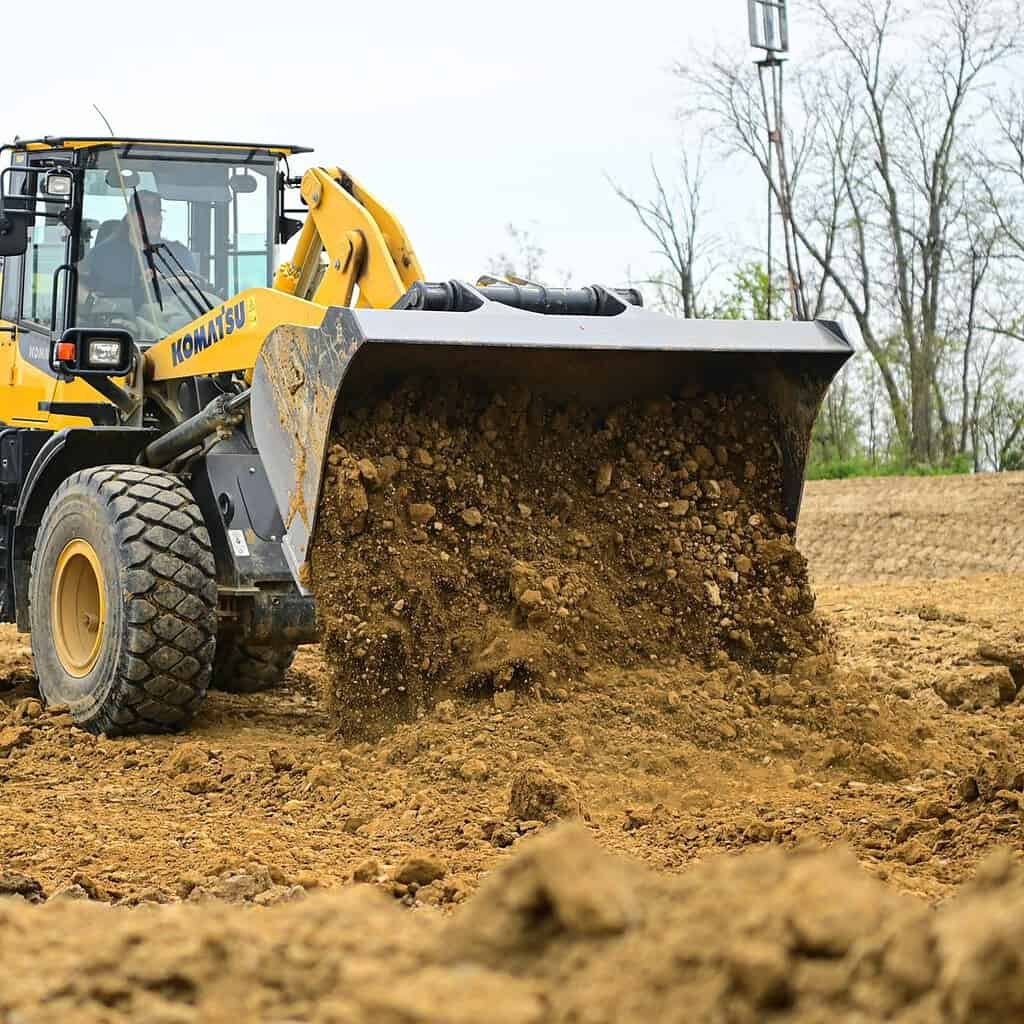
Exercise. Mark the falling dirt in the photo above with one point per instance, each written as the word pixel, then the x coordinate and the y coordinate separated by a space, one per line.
pixel 904 746
pixel 479 542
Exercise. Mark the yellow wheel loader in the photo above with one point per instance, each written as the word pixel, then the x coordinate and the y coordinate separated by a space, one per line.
pixel 167 392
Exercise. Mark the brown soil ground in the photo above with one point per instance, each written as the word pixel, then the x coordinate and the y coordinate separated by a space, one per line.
pixel 908 750
pixel 898 528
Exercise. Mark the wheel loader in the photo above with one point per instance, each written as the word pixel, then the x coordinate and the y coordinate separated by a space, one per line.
pixel 167 393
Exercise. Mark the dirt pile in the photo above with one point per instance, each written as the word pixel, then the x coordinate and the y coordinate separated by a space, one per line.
pixel 484 542
pixel 668 762
pixel 563 932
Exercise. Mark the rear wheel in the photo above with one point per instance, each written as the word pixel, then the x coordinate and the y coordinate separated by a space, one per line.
pixel 123 601
pixel 242 667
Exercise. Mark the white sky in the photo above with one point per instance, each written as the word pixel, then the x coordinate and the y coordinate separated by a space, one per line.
pixel 461 116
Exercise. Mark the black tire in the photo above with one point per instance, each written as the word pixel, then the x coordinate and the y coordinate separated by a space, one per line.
pixel 149 667
pixel 240 667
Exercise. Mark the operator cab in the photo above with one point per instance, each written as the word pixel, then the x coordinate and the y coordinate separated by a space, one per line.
pixel 140 235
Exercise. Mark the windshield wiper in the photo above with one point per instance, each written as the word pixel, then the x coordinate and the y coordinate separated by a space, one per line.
pixel 176 268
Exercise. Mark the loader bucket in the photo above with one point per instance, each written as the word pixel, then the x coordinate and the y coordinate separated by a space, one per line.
pixel 355 355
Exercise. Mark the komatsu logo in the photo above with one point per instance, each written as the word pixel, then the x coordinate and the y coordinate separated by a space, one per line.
pixel 227 320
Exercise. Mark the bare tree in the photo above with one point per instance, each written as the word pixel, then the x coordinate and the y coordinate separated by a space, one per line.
pixel 998 421
pixel 837 428
pixel 877 420
pixel 982 242
pixel 1004 165
pixel 524 260
pixel 673 218
pixel 886 123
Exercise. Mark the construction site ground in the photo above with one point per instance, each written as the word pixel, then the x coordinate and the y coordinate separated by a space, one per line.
pixel 907 751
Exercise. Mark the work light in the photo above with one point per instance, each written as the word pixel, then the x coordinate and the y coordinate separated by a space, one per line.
pixel 104 353
pixel 58 184
pixel 93 351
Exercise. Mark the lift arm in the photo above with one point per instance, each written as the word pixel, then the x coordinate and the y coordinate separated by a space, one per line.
pixel 364 243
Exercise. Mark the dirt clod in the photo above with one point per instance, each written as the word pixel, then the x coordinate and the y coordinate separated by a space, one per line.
pixel 20 885
pixel 563 931
pixel 367 871
pixel 13 737
pixel 540 793
pixel 977 686
pixel 421 867
pixel 189 758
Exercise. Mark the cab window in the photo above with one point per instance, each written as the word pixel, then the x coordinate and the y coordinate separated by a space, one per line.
pixel 167 237
pixel 11 295
pixel 47 250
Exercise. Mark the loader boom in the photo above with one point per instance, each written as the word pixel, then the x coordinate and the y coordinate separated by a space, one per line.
pixel 364 243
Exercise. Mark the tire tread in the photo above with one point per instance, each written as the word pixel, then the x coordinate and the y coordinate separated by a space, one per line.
pixel 241 667
pixel 164 668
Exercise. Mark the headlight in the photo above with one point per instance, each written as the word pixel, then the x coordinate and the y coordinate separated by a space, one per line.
pixel 93 352
pixel 104 353
pixel 57 183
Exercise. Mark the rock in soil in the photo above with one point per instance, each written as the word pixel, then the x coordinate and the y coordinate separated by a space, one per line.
pixel 420 867
pixel 539 793
pixel 19 885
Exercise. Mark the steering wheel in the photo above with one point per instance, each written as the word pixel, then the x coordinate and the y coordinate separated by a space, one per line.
pixel 189 284
pixel 121 321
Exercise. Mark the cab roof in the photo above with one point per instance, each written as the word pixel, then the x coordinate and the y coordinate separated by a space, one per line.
pixel 93 142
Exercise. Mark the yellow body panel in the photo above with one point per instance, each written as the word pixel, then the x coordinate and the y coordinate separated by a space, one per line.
pixel 23 386
pixel 215 344
pixel 364 242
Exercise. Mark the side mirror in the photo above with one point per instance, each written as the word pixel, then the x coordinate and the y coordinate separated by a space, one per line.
pixel 243 183
pixel 93 352
pixel 13 235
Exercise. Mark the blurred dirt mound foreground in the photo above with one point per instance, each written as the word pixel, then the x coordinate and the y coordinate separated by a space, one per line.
pixel 563 932
pixel 489 541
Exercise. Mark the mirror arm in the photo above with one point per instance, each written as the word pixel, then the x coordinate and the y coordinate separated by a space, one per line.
pixel 124 400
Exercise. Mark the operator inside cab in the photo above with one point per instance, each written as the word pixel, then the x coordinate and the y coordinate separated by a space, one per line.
pixel 129 260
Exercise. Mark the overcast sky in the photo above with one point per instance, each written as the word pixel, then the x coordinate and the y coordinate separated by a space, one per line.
pixel 461 116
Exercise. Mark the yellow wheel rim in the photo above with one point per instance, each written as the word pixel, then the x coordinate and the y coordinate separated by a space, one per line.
pixel 78 608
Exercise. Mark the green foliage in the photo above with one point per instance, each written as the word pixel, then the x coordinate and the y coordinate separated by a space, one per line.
pixel 748 295
pixel 844 469
pixel 1013 459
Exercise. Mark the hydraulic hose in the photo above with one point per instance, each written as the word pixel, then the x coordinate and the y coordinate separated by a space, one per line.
pixel 454 296
pixel 224 411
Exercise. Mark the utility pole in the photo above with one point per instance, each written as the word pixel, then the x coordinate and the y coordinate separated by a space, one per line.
pixel 769 31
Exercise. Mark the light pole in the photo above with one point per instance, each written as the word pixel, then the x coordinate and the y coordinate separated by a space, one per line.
pixel 769 31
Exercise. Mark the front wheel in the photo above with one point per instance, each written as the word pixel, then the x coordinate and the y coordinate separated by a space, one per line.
pixel 241 667
pixel 123 601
